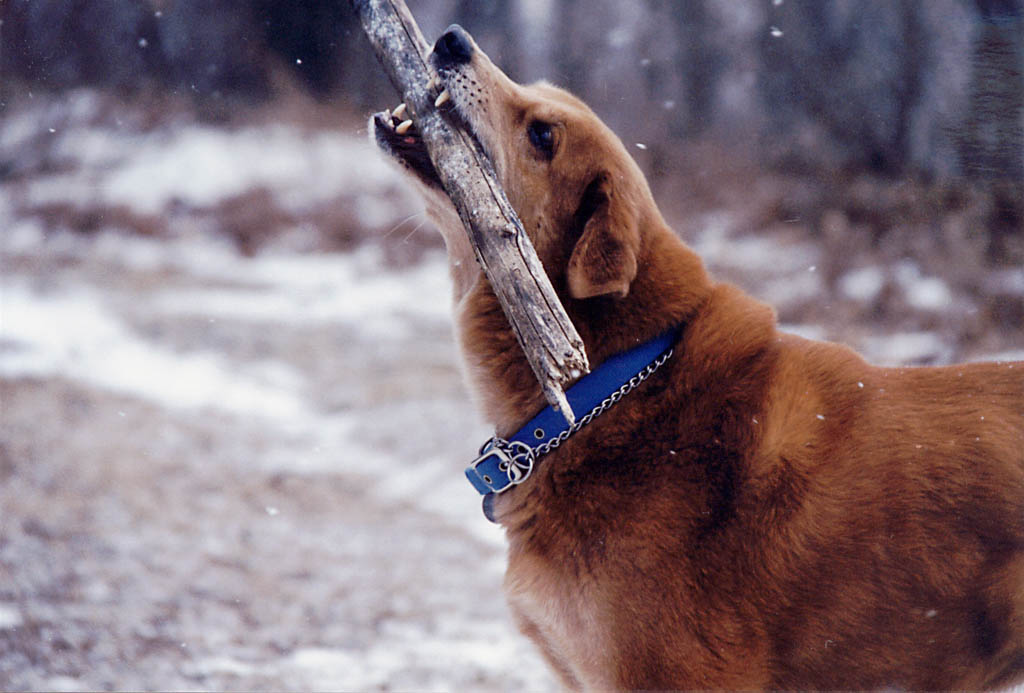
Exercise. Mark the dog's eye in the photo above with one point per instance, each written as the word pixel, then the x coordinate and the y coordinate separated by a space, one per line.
pixel 542 137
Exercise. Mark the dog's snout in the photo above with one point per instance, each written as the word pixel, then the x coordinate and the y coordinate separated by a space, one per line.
pixel 454 47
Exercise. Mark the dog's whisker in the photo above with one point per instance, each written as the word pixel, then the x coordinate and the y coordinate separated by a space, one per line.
pixel 402 222
pixel 415 229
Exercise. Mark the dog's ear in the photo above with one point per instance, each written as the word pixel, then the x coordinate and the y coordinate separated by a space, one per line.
pixel 604 260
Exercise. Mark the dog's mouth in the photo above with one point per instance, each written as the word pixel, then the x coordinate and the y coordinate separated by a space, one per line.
pixel 397 135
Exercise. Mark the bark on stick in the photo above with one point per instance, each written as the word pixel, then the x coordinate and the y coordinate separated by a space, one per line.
pixel 549 340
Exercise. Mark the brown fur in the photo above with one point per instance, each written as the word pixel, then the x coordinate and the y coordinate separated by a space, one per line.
pixel 766 511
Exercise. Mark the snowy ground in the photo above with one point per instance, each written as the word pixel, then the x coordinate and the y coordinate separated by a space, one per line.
pixel 224 472
pixel 221 472
pixel 230 462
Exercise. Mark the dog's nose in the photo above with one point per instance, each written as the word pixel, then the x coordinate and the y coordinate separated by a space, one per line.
pixel 454 47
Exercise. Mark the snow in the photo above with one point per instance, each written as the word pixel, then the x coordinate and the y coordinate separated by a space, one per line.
pixel 348 290
pixel 200 166
pixel 806 331
pixel 907 347
pixel 65 683
pixel 924 293
pixel 863 284
pixel 10 616
pixel 719 246
pixel 82 336
pixel 1010 281
pixel 793 289
pixel 404 448
pixel 1002 356
pixel 77 337
pixel 466 650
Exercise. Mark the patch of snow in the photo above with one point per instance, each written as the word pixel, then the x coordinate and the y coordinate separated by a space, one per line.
pixel 863 284
pixel 924 293
pixel 81 336
pixel 929 293
pixel 272 288
pixel 63 187
pixel 77 336
pixel 10 616
pixel 717 245
pixel 796 288
pixel 100 149
pixel 815 332
pixel 1010 281
pixel 906 347
pixel 619 37
pixel 222 665
pixel 1010 355
pixel 201 166
pixel 22 235
pixel 66 684
pixel 439 662
pixel 303 289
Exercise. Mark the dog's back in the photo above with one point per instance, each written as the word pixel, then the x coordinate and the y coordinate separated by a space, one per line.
pixel 909 533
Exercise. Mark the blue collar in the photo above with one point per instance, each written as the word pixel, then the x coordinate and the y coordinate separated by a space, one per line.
pixel 504 463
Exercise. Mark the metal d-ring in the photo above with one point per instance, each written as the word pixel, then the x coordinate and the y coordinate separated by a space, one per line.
pixel 518 463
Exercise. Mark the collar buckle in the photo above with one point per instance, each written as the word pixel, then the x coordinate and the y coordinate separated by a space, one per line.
pixel 501 465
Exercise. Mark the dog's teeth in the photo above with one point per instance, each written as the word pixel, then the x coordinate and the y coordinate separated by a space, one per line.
pixel 441 99
pixel 434 82
pixel 399 111
pixel 403 127
pixel 387 117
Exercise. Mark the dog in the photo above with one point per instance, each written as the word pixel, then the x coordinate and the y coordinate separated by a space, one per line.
pixel 761 511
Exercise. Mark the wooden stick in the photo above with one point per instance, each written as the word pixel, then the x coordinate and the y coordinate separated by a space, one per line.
pixel 548 338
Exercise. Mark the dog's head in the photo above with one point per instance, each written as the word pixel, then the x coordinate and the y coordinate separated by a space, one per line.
pixel 621 273
pixel 581 197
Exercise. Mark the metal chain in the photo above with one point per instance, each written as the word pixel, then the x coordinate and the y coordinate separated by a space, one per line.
pixel 522 461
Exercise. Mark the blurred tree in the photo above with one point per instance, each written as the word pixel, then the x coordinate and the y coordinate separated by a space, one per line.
pixel 66 43
pixel 847 72
pixel 992 145
pixel 700 63
pixel 307 35
pixel 203 46
pixel 569 58
pixel 211 47
pixel 602 52
pixel 993 138
pixel 496 27
pixel 891 86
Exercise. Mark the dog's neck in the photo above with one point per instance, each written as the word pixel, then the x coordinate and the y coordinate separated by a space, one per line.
pixel 670 286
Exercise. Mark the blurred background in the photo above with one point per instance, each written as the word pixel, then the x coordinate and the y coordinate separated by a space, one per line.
pixel 232 425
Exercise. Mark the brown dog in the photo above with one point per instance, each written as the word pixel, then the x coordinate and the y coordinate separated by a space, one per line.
pixel 764 511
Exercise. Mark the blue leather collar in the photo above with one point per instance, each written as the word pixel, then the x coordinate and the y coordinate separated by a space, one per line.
pixel 504 463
